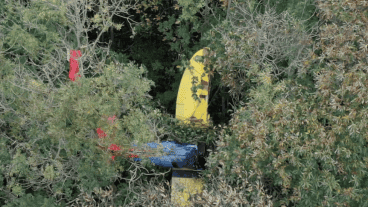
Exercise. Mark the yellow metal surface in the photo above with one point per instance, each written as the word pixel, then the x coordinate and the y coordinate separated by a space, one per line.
pixel 189 110
pixel 186 106
pixel 182 188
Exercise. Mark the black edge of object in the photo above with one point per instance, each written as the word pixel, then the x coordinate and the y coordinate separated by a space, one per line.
pixel 185 173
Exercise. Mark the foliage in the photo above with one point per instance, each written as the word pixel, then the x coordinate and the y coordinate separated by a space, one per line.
pixel 278 118
pixel 185 133
pixel 179 35
pixel 237 60
pixel 33 201
pixel 160 69
pixel 174 20
pixel 305 139
pixel 170 21
pixel 48 139
pixel 158 55
pixel 217 192
pixel 218 188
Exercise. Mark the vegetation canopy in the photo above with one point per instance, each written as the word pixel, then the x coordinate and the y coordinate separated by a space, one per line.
pixel 296 71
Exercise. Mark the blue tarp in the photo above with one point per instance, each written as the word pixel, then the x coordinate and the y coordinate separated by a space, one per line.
pixel 184 155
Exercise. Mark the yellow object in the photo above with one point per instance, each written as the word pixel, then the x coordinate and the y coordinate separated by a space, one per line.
pixel 182 188
pixel 189 110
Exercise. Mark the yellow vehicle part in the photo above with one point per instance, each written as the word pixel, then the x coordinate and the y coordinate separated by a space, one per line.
pixel 189 110
pixel 182 188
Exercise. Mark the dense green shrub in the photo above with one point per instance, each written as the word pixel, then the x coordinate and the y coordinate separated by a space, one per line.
pixel 186 133
pixel 48 123
pixel 62 130
pixel 304 135
pixel 300 137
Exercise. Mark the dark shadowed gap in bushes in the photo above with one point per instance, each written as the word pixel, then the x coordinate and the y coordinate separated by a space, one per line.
pixel 215 102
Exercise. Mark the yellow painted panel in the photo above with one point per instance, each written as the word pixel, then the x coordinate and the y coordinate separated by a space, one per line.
pixel 201 112
pixel 182 188
pixel 186 106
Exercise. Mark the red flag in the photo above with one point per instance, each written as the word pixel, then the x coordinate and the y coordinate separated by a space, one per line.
pixel 74 68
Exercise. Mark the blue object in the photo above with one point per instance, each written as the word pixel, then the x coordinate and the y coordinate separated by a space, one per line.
pixel 183 155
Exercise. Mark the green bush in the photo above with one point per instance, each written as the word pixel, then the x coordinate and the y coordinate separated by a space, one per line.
pixel 48 140
pixel 304 134
pixel 56 140
pixel 186 133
